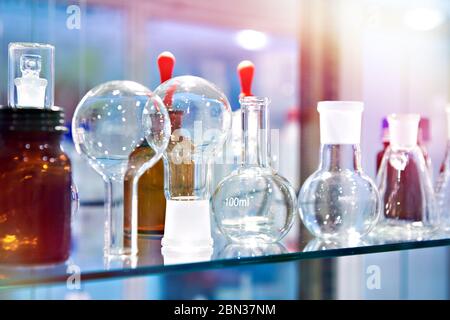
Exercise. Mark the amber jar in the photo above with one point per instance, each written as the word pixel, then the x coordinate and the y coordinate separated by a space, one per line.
pixel 151 199
pixel 35 180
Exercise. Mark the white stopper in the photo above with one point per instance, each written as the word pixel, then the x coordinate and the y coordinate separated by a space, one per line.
pixel 403 129
pixel 186 255
pixel 188 224
pixel 447 111
pixel 340 122
pixel 30 88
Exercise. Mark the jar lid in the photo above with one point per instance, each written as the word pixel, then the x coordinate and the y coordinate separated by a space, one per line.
pixel 32 119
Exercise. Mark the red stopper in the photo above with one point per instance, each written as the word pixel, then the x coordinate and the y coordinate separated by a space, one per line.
pixel 245 70
pixel 166 62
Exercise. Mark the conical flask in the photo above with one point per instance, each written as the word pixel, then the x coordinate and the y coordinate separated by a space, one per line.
pixel 443 184
pixel 405 184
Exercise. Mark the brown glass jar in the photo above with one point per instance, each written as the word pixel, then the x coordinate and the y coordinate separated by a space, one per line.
pixel 35 194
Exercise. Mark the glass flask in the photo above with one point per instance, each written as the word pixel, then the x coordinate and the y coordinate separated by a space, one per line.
pixel 200 117
pixel 230 158
pixel 109 123
pixel 443 184
pixel 254 204
pixel 405 184
pixel 422 139
pixel 151 199
pixel 339 202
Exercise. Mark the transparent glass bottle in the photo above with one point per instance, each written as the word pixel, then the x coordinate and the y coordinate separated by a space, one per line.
pixel 339 202
pixel 405 184
pixel 254 203
pixel 443 184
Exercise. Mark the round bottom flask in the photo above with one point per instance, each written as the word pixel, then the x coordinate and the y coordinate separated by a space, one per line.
pixel 254 203
pixel 338 202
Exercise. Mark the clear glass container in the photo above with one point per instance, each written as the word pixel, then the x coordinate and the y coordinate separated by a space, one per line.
pixel 443 184
pixel 110 122
pixel 200 116
pixel 31 74
pixel 339 202
pixel 254 203
pixel 405 184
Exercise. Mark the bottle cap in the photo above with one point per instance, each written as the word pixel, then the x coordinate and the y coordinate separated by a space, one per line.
pixel 188 224
pixel 32 119
pixel 340 122
pixel 403 130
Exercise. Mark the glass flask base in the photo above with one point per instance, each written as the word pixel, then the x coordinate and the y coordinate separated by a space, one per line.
pixel 402 231
pixel 249 230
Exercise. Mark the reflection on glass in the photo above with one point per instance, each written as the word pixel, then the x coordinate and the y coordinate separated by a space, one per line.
pixel 237 251
pixel 318 244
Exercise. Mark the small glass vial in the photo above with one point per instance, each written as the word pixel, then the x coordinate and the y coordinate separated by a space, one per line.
pixel 254 204
pixel 338 202
pixel 405 184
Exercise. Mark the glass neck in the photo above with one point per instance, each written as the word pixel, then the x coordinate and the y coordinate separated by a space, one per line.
pixel 255 131
pixel 335 157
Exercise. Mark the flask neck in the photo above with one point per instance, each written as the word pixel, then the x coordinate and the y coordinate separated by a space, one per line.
pixel 255 124
pixel 335 157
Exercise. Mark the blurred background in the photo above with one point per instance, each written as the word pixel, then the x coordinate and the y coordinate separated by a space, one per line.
pixel 391 54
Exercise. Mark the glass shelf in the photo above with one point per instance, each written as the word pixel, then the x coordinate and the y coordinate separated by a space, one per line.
pixel 87 254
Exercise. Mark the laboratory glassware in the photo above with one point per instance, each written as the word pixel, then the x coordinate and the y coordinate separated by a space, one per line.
pixel 404 184
pixel 35 173
pixel 200 117
pixel 254 203
pixel 150 198
pixel 339 202
pixel 111 121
